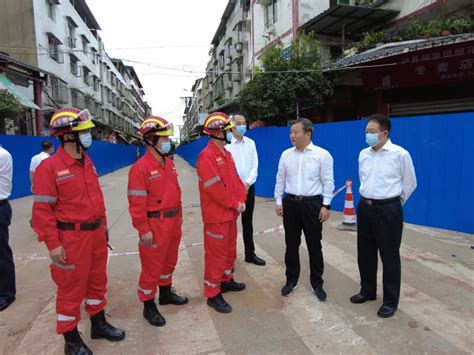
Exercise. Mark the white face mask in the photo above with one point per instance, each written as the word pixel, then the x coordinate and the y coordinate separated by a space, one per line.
pixel 86 139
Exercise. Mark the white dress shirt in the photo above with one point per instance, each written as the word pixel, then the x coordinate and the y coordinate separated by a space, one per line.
pixel 387 173
pixel 6 174
pixel 307 173
pixel 37 159
pixel 245 157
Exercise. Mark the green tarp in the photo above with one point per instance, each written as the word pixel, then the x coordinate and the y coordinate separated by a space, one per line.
pixel 6 84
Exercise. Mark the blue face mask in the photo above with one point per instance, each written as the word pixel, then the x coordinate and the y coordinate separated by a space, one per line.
pixel 86 139
pixel 372 139
pixel 241 129
pixel 165 147
pixel 229 136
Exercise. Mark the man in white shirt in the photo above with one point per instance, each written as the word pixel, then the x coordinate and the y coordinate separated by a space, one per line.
pixel 245 156
pixel 47 150
pixel 305 175
pixel 387 179
pixel 7 265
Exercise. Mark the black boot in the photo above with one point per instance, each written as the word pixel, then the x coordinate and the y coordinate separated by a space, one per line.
pixel 151 314
pixel 74 344
pixel 101 329
pixel 232 286
pixel 219 304
pixel 167 296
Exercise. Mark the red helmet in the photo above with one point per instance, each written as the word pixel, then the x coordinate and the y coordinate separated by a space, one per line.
pixel 155 126
pixel 69 120
pixel 217 122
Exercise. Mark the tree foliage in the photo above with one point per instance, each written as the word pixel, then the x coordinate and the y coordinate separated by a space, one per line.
pixel 9 106
pixel 281 87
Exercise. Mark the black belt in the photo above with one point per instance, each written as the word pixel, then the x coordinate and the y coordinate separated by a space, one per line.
pixel 304 198
pixel 3 202
pixel 166 214
pixel 387 201
pixel 82 226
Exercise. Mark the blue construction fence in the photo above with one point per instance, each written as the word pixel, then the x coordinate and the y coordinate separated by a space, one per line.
pixel 442 148
pixel 107 157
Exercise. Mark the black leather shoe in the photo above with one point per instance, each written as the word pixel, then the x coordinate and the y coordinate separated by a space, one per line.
pixel 74 345
pixel 360 298
pixel 255 260
pixel 219 304
pixel 152 315
pixel 287 290
pixel 232 286
pixel 167 296
pixel 320 293
pixel 4 304
pixel 386 311
pixel 101 329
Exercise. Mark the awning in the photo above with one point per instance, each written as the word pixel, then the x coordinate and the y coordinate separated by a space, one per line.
pixel 352 20
pixel 6 84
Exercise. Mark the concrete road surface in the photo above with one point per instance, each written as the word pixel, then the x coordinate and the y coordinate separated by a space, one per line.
pixel 435 315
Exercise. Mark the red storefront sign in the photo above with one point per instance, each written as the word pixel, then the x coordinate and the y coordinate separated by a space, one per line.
pixel 436 66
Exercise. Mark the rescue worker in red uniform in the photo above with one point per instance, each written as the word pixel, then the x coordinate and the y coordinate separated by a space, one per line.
pixel 69 216
pixel 154 198
pixel 223 198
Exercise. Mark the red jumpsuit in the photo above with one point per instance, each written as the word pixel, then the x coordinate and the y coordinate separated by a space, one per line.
pixel 154 198
pixel 68 193
pixel 220 190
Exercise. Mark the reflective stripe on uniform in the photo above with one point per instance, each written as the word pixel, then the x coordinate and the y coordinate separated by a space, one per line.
pixel 212 181
pixel 65 177
pixel 146 292
pixel 64 318
pixel 45 199
pixel 153 246
pixel 92 302
pixel 63 266
pixel 137 193
pixel 217 236
pixel 210 284
pixel 165 277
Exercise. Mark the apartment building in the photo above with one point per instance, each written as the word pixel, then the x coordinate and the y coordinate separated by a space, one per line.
pixel 62 38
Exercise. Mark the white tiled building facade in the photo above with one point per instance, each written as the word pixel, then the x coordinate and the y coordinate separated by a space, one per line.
pixel 68 47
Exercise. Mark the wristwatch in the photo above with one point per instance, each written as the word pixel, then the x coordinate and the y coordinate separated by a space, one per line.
pixel 328 207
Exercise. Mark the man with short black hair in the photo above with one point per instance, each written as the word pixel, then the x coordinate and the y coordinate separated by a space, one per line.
pixel 387 179
pixel 303 192
pixel 47 148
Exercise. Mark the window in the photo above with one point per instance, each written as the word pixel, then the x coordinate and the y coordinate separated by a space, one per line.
pixel 271 13
pixel 229 48
pixel 53 47
pixel 87 75
pixel 221 59
pixel 96 83
pixel 85 43
pixel 71 31
pixel 94 55
pixel 51 5
pixel 236 6
pixel 74 64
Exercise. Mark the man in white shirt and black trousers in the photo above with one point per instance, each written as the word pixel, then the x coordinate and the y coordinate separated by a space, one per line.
pixel 245 156
pixel 387 179
pixel 47 149
pixel 7 264
pixel 305 175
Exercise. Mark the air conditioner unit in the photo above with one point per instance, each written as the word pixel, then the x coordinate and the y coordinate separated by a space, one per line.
pixel 72 42
pixel 237 77
pixel 238 47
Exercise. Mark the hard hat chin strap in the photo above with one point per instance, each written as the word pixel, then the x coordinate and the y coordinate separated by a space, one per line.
pixel 153 144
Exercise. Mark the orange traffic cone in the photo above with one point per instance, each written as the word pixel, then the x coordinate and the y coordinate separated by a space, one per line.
pixel 349 218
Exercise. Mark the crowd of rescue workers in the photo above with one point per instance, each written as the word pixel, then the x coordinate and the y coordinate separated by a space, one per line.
pixel 69 215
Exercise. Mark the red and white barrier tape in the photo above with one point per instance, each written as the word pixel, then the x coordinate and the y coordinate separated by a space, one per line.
pixel 183 246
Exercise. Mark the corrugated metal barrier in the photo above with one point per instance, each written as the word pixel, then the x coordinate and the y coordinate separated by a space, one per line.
pixel 442 148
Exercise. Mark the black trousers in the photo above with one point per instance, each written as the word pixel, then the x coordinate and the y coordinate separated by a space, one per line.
pixel 303 216
pixel 7 265
pixel 247 222
pixel 379 229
